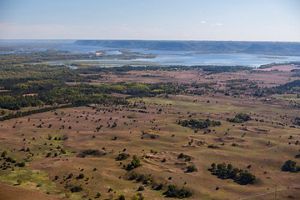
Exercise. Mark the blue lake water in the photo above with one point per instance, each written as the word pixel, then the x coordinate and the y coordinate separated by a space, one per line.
pixel 183 57
pixel 193 58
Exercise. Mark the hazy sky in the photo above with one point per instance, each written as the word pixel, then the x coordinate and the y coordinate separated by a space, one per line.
pixel 271 20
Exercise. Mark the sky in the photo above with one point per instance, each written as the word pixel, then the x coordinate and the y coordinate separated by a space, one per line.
pixel 241 20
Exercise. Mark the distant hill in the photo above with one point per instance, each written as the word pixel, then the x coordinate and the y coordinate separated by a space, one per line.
pixel 269 48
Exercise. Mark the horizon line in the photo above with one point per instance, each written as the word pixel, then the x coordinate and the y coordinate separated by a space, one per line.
pixel 161 40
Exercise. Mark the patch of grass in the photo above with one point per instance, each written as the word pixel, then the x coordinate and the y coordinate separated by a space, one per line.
pixel 26 178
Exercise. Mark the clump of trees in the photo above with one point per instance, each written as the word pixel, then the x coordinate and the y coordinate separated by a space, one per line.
pixel 290 87
pixel 287 88
pixel 227 171
pixel 175 192
pixel 30 112
pixel 240 118
pixel 198 123
pixel 290 166
pixel 17 102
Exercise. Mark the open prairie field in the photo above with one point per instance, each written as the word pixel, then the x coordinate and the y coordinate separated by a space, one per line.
pixel 179 134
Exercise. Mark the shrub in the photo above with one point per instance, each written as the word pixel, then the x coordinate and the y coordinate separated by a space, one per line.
pixel 75 188
pixel 290 166
pixel 184 157
pixel 121 197
pixel 296 121
pixel 98 195
pixel 191 168
pixel 244 178
pixel 91 152
pixel 157 186
pixel 80 176
pixel 122 156
pixel 20 164
pixel 3 154
pixel 138 196
pixel 141 188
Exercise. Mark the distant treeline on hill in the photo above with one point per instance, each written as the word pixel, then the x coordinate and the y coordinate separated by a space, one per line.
pixel 266 48
pixel 206 68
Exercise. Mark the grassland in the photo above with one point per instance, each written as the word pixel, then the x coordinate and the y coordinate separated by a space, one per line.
pixel 83 151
